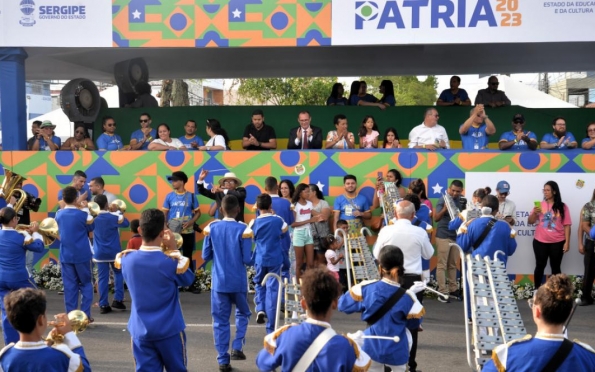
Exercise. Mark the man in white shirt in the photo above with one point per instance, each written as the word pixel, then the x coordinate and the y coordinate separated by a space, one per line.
pixel 429 134
pixel 415 244
pixel 96 186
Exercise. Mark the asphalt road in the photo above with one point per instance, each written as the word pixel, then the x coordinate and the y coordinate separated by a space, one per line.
pixel 441 344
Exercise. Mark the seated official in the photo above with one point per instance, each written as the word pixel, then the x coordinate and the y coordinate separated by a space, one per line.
pixel 141 138
pixel 45 140
pixel 429 134
pixel 258 136
pixel 550 307
pixel 560 139
pixel 518 138
pixel 454 96
pixel 491 96
pixel 340 138
pixel 305 136
pixel 109 140
pixel 26 311
pixel 81 140
pixel 476 130
pixel 165 142
pixel 589 142
pixel 336 98
pixel 190 139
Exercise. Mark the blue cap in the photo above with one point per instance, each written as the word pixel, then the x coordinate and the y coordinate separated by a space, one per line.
pixel 503 187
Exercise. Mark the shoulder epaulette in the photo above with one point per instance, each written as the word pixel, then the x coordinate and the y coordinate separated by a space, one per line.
pixel 584 346
pixel 75 364
pixel 500 353
pixel 417 310
pixel 6 348
pixel 118 260
pixel 362 360
pixel 356 290
pixel 183 262
pixel 207 230
pixel 512 233
pixel 248 233
pixel 270 340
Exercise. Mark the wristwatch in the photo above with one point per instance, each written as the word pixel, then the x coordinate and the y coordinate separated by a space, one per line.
pixel 208 148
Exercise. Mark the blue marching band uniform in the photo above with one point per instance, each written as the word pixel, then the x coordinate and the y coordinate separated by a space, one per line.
pixel 500 238
pixel 228 244
pixel 285 348
pixel 106 245
pixel 38 356
pixel 367 298
pixel 13 273
pixel 156 322
pixel 75 257
pixel 270 256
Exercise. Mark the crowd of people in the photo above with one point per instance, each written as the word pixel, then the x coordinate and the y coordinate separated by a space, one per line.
pixel 291 236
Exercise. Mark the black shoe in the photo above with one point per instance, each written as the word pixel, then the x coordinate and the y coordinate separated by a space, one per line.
pixel 238 355
pixel 105 309
pixel 457 295
pixel 224 367
pixel 196 290
pixel 91 320
pixel 118 305
pixel 260 317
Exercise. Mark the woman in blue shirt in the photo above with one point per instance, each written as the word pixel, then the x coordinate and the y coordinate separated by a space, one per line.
pixel 589 142
pixel 109 140
pixel 362 98
pixel 336 98
pixel 13 272
pixel 388 93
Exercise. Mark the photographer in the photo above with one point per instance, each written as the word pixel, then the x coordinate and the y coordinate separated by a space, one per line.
pixel 36 133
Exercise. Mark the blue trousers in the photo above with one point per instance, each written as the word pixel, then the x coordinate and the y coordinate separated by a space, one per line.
pixel 103 285
pixel 78 280
pixel 221 311
pixel 266 296
pixel 169 353
pixel 9 333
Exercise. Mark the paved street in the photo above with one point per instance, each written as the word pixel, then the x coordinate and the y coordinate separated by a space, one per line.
pixel 441 344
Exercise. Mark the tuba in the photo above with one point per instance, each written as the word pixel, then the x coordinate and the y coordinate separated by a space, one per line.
pixel 120 204
pixel 8 187
pixel 79 321
pixel 48 228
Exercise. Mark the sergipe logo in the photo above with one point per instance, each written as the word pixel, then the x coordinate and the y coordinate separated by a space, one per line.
pixel 365 11
pixel 27 8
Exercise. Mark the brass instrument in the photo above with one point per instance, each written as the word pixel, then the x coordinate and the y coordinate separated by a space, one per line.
pixel 8 187
pixel 450 205
pixel 179 241
pixel 48 228
pixel 93 208
pixel 79 321
pixel 120 204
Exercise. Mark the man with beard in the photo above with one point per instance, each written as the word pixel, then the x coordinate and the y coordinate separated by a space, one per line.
pixel 350 206
pixel 140 139
pixel 518 139
pixel 560 139
pixel 190 139
pixel 79 182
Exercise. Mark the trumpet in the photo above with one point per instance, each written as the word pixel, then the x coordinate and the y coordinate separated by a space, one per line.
pixel 78 320
pixel 120 204
pixel 48 228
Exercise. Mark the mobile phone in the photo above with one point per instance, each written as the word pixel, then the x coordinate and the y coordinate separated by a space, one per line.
pixel 537 204
pixel 380 176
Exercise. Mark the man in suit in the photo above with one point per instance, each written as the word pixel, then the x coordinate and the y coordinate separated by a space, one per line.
pixel 305 136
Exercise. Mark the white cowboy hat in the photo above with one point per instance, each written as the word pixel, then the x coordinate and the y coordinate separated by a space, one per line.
pixel 230 176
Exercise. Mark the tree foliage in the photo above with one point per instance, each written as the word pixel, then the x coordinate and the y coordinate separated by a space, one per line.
pixel 409 90
pixel 284 91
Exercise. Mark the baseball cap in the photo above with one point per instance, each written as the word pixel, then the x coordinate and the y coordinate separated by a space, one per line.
pixel 178 176
pixel 47 123
pixel 518 117
pixel 503 187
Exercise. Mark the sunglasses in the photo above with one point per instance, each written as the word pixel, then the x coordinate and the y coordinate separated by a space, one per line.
pixel 494 83
pixel 144 121
pixel 519 122
pixel 112 124
pixel 591 130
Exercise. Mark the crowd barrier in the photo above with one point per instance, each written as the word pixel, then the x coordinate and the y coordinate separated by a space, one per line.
pixel 139 178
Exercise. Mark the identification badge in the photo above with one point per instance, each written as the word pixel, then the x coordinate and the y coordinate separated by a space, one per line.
pixel 178 214
pixel 349 210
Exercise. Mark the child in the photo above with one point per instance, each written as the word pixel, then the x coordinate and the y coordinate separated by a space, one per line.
pixel 106 245
pixel 368 133
pixel 75 252
pixel 286 347
pixel 25 309
pixel 227 243
pixel 370 298
pixel 156 322
pixel 269 257
pixel 136 241
pixel 331 245
pixel 302 235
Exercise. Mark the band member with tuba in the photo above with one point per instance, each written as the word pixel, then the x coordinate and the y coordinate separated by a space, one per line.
pixel 156 321
pixel 13 273
pixel 75 225
pixel 227 243
pixel 106 245
pixel 26 312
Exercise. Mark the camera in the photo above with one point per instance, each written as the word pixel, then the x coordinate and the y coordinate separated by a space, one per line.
pixel 31 201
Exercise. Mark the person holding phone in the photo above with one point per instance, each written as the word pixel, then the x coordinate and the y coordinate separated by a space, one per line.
pixel 506 207
pixel 552 232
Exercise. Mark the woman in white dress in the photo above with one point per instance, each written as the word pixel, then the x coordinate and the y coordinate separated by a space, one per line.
pixel 219 139
pixel 165 142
